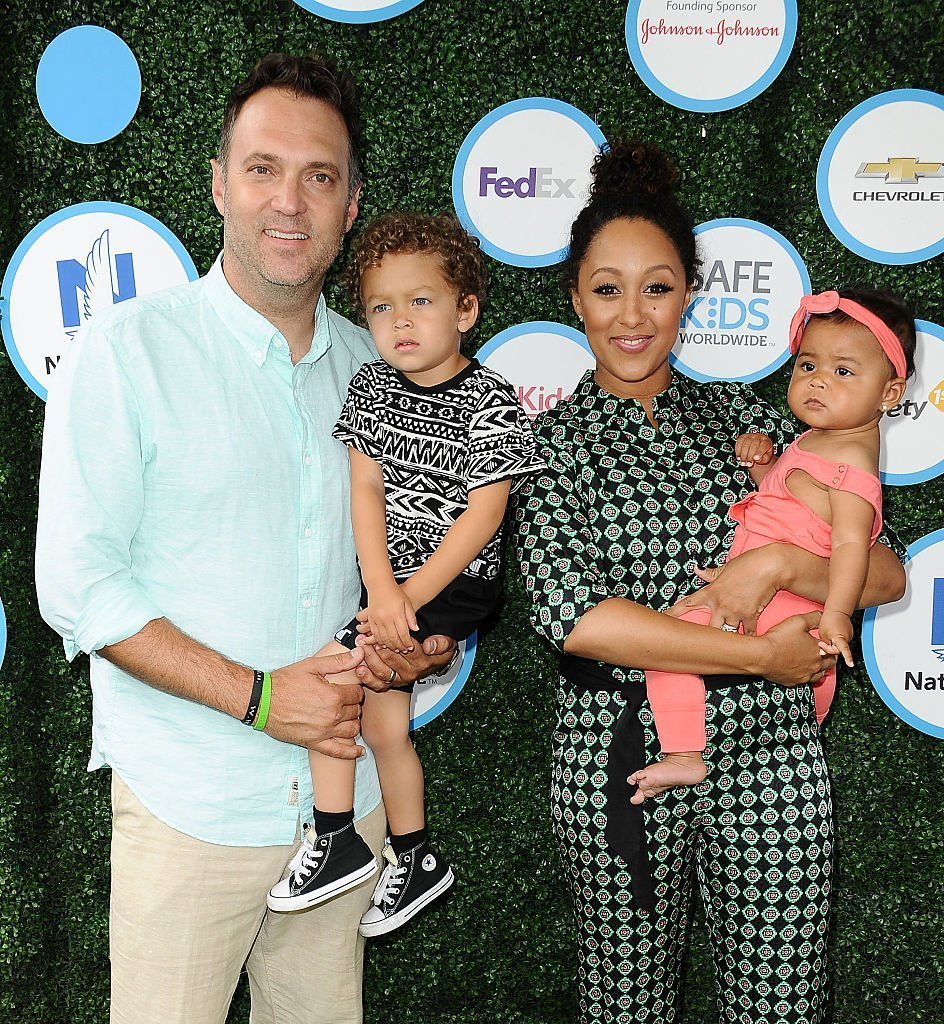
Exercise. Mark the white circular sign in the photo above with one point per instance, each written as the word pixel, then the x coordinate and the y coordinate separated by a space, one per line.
pixel 431 696
pixel 750 283
pixel 358 12
pixel 521 177
pixel 74 264
pixel 880 180
pixel 913 432
pixel 709 55
pixel 543 361
pixel 3 633
pixel 903 643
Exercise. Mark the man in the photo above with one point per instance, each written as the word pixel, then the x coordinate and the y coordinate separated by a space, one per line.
pixel 194 534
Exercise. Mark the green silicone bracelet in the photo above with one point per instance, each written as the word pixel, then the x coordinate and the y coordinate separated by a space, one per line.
pixel 263 716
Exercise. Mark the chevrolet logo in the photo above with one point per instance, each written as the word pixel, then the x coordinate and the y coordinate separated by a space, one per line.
pixel 901 170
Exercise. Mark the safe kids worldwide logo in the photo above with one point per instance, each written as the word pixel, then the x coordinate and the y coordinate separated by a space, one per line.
pixel 542 360
pixel 709 55
pixel 880 179
pixel 522 176
pixel 75 265
pixel 749 285
pixel 913 432
pixel 431 696
pixel 357 12
pixel 903 643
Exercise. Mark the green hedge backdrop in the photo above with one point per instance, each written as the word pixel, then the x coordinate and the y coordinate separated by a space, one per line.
pixel 501 949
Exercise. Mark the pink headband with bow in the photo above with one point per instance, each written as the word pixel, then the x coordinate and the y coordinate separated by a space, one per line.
pixel 829 302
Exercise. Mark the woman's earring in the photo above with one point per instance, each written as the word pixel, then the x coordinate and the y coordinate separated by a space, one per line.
pixel 884 407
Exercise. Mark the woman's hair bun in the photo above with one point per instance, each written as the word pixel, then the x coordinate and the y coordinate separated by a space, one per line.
pixel 633 168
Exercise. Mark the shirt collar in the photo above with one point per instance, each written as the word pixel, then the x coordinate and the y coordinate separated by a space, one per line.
pixel 250 328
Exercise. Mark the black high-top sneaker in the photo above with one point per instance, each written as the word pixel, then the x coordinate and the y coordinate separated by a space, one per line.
pixel 323 867
pixel 407 884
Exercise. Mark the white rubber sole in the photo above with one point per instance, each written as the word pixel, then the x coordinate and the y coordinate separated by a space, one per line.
pixel 303 901
pixel 389 924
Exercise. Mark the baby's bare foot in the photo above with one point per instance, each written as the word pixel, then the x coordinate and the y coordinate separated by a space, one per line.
pixel 680 769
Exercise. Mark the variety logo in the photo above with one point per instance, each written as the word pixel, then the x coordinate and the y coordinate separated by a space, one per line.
pixel 709 55
pixel 737 324
pixel 521 177
pixel 913 432
pixel 358 12
pixel 903 643
pixel 542 360
pixel 75 265
pixel 888 210
pixel 431 696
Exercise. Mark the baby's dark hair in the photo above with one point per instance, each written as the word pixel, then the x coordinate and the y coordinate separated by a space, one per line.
pixel 460 257
pixel 890 308
pixel 633 180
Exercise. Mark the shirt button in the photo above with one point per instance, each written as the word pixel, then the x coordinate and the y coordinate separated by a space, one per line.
pixel 306 603
pixel 307 460
pixel 307 531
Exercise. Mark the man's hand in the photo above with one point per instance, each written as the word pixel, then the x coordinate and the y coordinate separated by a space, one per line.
pixel 380 662
pixel 793 657
pixel 309 710
pixel 738 591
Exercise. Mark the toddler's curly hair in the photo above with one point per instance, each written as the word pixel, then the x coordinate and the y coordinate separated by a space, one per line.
pixel 401 231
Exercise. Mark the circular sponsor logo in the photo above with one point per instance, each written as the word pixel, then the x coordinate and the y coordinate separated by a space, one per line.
pixel 880 179
pixel 913 432
pixel 521 177
pixel 903 643
pixel 542 360
pixel 709 55
pixel 88 84
pixel 737 324
pixel 75 264
pixel 357 12
pixel 431 696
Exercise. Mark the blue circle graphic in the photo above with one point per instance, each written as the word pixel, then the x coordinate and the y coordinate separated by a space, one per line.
pixel 835 225
pixel 790 250
pixel 920 475
pixel 41 228
pixel 3 633
pixel 454 688
pixel 388 10
pixel 677 99
pixel 88 84
pixel 531 327
pixel 871 661
pixel 458 172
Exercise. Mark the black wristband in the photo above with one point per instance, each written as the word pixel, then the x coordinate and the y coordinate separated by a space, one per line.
pixel 254 698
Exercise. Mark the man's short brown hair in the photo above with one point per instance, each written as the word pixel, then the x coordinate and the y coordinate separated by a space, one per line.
pixel 312 76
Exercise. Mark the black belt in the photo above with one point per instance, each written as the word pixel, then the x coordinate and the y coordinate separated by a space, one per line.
pixel 625 831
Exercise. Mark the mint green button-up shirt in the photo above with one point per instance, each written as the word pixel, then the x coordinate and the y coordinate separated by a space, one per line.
pixel 189 472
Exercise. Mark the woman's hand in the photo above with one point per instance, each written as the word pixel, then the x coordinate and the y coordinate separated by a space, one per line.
pixel 792 656
pixel 738 591
pixel 390 616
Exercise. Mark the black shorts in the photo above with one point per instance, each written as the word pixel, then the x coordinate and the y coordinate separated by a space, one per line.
pixel 457 611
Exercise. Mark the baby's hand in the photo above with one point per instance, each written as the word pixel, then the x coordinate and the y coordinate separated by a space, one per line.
pixel 754 449
pixel 835 633
pixel 390 617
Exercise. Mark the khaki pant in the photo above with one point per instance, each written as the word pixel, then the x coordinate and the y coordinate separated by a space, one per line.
pixel 186 916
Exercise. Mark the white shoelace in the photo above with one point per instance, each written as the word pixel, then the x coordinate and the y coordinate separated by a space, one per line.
pixel 309 863
pixel 394 880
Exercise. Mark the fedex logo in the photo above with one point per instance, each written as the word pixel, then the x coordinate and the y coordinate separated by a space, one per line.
pixel 538 183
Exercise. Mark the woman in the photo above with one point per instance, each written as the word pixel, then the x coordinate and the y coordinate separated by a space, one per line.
pixel 642 469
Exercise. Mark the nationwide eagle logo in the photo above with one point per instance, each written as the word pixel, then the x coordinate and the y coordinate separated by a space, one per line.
pixel 89 288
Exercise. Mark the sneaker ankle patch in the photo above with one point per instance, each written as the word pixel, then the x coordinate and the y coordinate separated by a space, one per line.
pixel 429 862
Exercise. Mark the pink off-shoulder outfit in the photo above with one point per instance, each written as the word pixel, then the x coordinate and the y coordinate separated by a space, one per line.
pixel 769 515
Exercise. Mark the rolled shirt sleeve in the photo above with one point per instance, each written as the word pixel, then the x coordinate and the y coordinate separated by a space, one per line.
pixel 91 499
pixel 556 550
